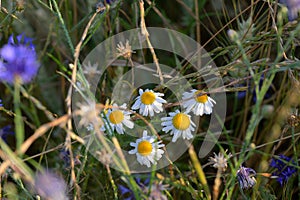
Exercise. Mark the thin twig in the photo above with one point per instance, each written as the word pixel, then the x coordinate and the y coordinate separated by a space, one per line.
pixel 146 34
pixel 69 98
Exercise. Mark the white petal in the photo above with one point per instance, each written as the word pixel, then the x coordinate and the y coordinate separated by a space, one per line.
pixel 201 109
pixel 175 137
pixel 167 123
pixel 133 144
pixel 133 151
pixel 136 105
pixel 166 118
pixel 167 129
pixel 211 100
pixel 150 109
pixel 141 91
pixel 160 100
pixel 119 128
pixel 128 123
pixel 157 107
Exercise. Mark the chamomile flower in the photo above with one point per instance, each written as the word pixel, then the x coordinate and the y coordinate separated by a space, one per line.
pixel 199 104
pixel 147 149
pixel 117 117
pixel 149 102
pixel 178 124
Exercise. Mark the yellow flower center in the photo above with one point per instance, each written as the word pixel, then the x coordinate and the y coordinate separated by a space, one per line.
pixel 144 148
pixel 181 121
pixel 116 117
pixel 201 98
pixel 148 98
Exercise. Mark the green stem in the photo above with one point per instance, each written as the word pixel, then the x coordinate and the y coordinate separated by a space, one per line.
pixel 200 172
pixel 19 124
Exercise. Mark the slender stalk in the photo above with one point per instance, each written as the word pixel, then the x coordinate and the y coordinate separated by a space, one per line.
pixel 199 170
pixel 112 182
pixel 146 34
pixel 217 184
pixel 19 124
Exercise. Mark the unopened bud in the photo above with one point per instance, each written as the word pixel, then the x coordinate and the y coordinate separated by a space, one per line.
pixel 267 111
pixel 232 34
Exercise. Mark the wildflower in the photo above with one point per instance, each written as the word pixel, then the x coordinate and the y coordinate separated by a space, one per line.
pixel 293 120
pixel 198 103
pixel 1 104
pixel 246 177
pixel 104 156
pixel 149 102
pixel 99 7
pixel 91 70
pixel 6 131
pixel 18 60
pixel 50 186
pixel 242 94
pixel 233 35
pixel 220 161
pixel 147 149
pixel 117 117
pixel 124 51
pixel 156 192
pixel 284 170
pixel 89 115
pixel 179 124
pixel 293 7
pixel 64 154
pixel 128 194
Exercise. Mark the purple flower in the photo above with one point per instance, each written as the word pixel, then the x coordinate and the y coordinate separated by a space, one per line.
pixel 293 7
pixel 284 170
pixel 112 3
pixel 1 105
pixel 127 193
pixel 6 131
pixel 242 94
pixel 246 178
pixel 50 186
pixel 64 154
pixel 156 192
pixel 18 59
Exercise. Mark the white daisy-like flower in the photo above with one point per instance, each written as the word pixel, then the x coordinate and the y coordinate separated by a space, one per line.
pixel 148 102
pixel 117 117
pixel 178 124
pixel 199 104
pixel 147 150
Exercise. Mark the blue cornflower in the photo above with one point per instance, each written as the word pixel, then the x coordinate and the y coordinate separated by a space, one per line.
pixel 293 7
pixel 242 94
pixel 127 193
pixel 18 59
pixel 283 170
pixel 246 178
pixel 6 131
pixel 64 154
pixel 154 194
